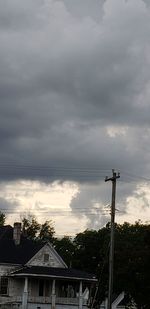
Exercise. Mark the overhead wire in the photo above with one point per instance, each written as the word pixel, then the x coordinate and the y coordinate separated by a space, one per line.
pixel 60 169
pixel 134 176
pixel 79 172
pixel 57 213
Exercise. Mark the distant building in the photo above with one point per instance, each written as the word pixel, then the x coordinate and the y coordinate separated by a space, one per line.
pixel 34 276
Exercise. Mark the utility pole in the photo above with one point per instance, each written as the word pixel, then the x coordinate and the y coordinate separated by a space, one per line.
pixel 111 252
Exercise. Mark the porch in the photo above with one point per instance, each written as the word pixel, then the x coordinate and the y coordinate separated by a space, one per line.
pixel 37 287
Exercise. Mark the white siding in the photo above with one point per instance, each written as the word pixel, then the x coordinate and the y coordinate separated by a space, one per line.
pixel 6 269
pixel 38 259
pixel 16 286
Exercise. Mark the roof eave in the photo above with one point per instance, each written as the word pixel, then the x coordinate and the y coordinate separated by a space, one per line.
pixel 22 275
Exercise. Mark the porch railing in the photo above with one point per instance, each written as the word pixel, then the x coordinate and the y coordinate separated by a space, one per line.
pixel 41 300
pixel 67 301
pixel 59 300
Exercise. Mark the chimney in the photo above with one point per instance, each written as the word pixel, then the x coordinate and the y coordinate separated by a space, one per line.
pixel 17 233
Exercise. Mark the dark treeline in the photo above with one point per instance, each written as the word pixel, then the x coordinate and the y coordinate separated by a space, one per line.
pixel 89 251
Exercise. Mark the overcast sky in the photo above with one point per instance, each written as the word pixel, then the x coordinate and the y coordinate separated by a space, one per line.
pixel 74 103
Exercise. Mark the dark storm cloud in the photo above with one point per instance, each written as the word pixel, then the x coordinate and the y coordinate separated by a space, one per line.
pixel 67 79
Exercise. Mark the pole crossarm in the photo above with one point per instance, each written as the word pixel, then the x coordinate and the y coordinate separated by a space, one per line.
pixel 114 177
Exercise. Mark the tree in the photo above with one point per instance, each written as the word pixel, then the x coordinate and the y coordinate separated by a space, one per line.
pixel 66 248
pixel 30 227
pixel 87 250
pixel 2 218
pixel 47 231
pixel 132 256
pixel 131 259
pixel 92 255
pixel 36 231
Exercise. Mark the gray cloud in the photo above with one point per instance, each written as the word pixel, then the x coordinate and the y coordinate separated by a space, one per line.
pixel 8 206
pixel 93 201
pixel 72 74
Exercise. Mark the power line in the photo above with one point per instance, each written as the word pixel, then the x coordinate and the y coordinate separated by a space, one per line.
pixel 9 164
pixel 60 214
pixel 54 168
pixel 69 172
pixel 133 175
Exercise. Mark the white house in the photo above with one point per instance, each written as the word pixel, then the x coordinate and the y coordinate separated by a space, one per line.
pixel 34 276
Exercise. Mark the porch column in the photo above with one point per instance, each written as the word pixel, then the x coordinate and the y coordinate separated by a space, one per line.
pixel 25 295
pixel 106 303
pixel 53 295
pixel 80 295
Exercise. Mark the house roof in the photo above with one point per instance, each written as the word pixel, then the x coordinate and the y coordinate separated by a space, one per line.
pixel 52 272
pixel 6 231
pixel 21 254
pixel 16 254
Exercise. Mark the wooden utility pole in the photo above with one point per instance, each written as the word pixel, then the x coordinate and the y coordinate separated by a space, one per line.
pixel 111 252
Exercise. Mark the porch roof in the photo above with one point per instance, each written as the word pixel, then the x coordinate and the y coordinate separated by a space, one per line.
pixel 52 272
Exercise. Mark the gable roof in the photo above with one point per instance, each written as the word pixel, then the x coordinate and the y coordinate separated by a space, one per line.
pixel 54 256
pixel 51 272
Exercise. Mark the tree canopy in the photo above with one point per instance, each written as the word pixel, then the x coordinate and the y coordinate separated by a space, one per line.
pixel 47 231
pixel 36 231
pixel 2 218
pixel 131 259
pixel 90 251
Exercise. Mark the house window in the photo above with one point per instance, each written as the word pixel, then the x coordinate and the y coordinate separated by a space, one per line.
pixel 46 257
pixel 3 286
